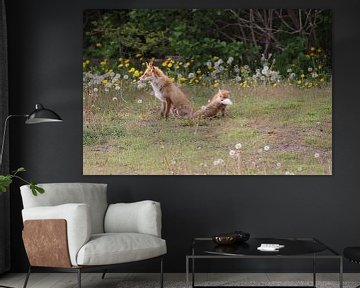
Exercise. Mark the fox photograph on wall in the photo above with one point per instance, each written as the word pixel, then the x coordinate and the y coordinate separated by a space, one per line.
pixel 207 92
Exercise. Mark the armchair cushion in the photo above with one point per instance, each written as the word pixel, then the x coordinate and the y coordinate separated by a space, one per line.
pixel 138 217
pixel 92 194
pixel 78 221
pixel 113 248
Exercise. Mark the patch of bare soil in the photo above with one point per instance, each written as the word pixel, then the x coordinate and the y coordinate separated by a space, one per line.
pixel 292 139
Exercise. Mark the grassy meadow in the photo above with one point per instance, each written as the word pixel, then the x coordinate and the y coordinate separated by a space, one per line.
pixel 269 130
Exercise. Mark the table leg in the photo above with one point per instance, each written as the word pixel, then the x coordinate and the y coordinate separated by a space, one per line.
pixel 341 273
pixel 187 272
pixel 314 271
pixel 193 272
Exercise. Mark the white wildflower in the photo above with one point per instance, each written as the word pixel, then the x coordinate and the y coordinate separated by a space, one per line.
pixel 232 153
pixel 117 87
pixel 126 76
pixel 310 69
pixel 191 75
pixel 314 75
pixel 114 99
pixel 218 162
pixel 238 78
pixel 139 101
pixel 317 155
pixel 106 89
pixel 238 146
pixel 96 89
pixel 266 148
pixel 265 70
pixel 230 60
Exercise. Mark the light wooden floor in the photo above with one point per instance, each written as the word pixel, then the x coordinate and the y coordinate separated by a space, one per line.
pixel 68 280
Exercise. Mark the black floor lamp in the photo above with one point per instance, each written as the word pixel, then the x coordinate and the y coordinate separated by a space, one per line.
pixel 39 115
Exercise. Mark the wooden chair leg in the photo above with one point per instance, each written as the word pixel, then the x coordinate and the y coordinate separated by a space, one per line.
pixel 27 277
pixel 79 277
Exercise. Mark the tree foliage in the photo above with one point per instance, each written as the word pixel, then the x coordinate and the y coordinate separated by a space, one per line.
pixel 288 34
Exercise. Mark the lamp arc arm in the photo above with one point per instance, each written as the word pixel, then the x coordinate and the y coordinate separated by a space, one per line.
pixel 4 133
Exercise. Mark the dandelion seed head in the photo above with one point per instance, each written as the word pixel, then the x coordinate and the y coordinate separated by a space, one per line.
pixel 218 162
pixel 238 146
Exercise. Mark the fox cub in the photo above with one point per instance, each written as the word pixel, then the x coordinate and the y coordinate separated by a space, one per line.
pixel 171 97
pixel 217 104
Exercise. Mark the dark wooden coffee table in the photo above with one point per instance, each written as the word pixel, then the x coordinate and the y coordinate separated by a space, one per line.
pixel 294 248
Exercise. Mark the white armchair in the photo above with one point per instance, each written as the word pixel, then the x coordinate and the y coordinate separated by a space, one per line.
pixel 72 228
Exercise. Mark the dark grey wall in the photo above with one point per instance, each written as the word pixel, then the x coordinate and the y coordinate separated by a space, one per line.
pixel 45 49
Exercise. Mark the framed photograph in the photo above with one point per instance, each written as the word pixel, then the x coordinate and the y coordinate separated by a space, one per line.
pixel 207 92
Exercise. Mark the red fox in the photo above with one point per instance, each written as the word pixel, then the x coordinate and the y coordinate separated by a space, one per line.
pixel 167 92
pixel 217 104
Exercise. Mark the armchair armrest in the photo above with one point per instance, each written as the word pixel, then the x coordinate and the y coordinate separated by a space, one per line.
pixel 77 219
pixel 138 217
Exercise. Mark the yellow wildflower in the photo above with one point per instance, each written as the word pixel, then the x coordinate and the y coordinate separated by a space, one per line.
pixel 138 55
pixel 104 81
pixel 198 71
pixel 312 49
pixel 164 64
pixel 298 82
pixel 216 84
pixel 120 65
pixel 302 75
pixel 98 45
pixel 132 70
pixel 136 73
pixel 127 65
pixel 169 65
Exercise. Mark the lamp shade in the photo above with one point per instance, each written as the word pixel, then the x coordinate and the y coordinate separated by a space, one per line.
pixel 42 115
